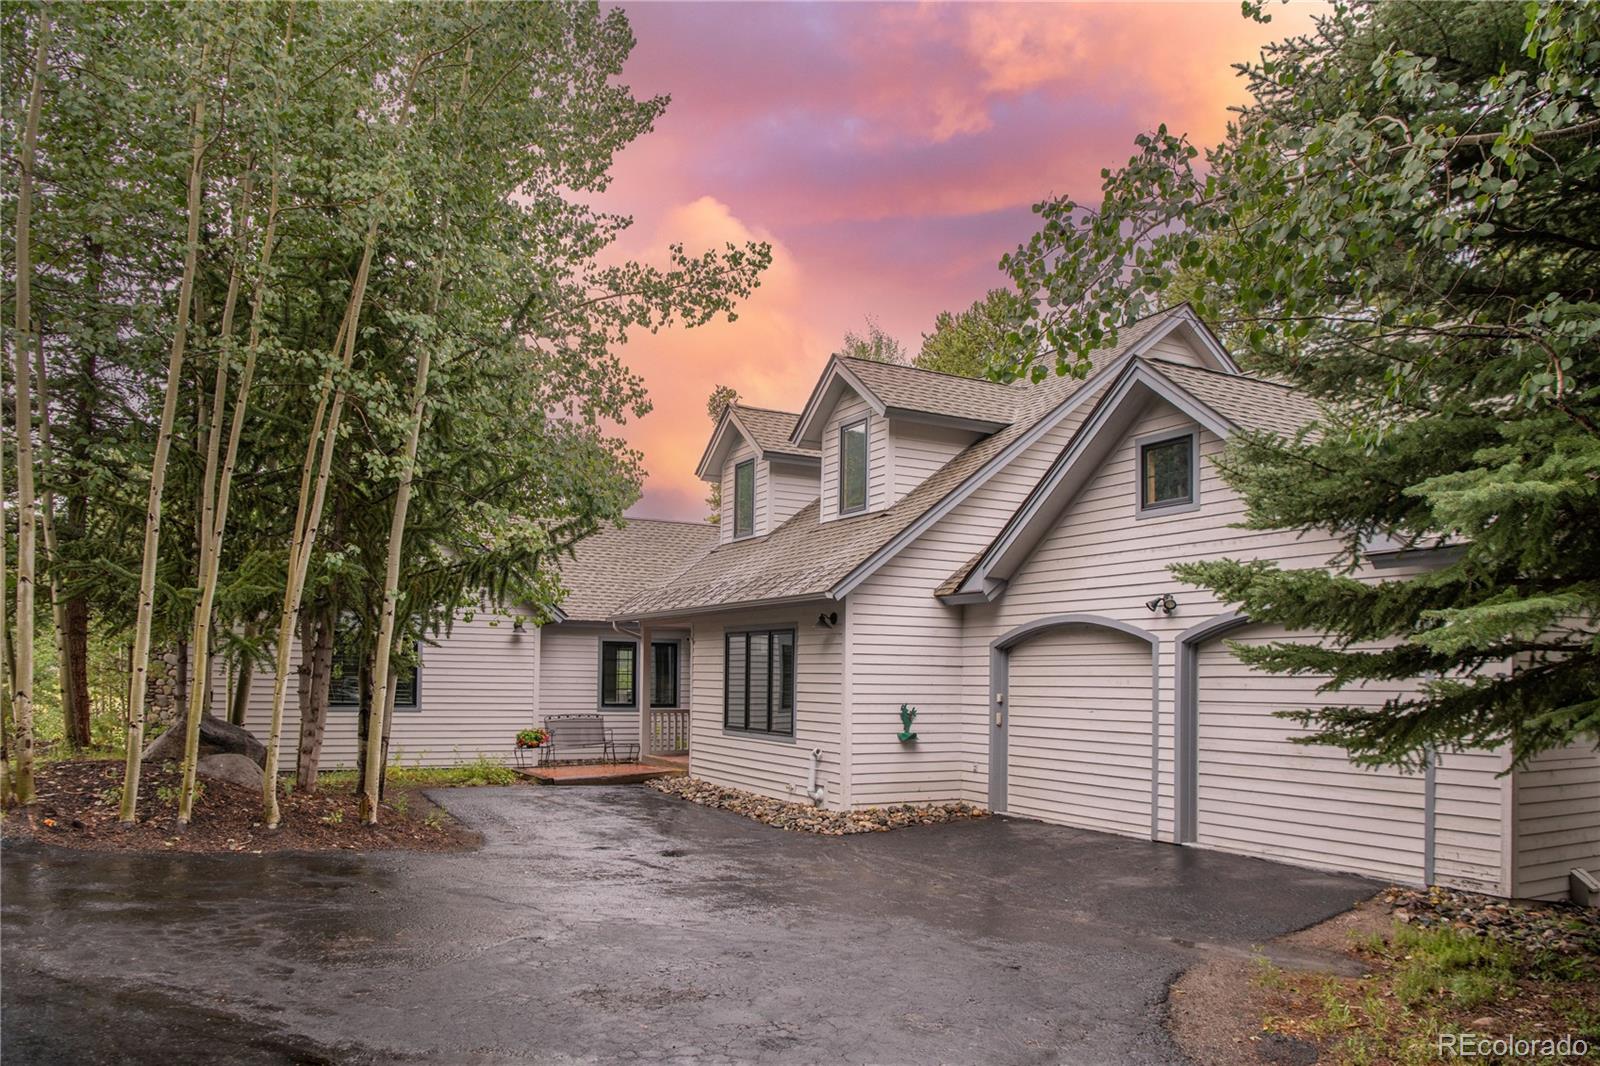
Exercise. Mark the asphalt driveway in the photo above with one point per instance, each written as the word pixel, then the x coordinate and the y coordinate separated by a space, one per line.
pixel 614 924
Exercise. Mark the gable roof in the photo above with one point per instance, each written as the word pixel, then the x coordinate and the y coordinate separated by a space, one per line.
pixel 807 559
pixel 899 391
pixel 613 564
pixel 766 430
pixel 1222 402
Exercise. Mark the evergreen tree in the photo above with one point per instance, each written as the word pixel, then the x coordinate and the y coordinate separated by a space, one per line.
pixel 967 343
pixel 1405 224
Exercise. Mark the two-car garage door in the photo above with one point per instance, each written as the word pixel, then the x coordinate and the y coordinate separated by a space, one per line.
pixel 1079 753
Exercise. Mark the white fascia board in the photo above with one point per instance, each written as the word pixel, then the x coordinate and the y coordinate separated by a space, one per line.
pixel 708 471
pixel 823 398
pixel 1208 340
pixel 1138 375
pixel 729 608
pixel 959 494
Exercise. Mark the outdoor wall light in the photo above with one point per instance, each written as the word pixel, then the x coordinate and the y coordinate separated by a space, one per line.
pixel 827 619
pixel 1164 602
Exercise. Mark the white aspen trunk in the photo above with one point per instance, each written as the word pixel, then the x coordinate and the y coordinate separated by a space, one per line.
pixel 158 469
pixel 22 681
pixel 6 775
pixel 210 522
pixel 47 508
pixel 370 787
pixel 308 518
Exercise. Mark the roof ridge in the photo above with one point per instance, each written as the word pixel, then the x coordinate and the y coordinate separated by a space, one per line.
pixel 631 519
pixel 741 405
pixel 1220 373
pixel 923 370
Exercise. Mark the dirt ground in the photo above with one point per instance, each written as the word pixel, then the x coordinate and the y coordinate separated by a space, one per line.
pixel 78 807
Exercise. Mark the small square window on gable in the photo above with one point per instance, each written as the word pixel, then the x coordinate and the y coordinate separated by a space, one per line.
pixel 744 498
pixel 1168 474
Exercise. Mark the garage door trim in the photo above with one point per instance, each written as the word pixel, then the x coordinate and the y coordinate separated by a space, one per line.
pixel 999 664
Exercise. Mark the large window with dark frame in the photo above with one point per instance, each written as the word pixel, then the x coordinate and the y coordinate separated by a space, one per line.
pixel 853 467
pixel 664 674
pixel 1166 473
pixel 619 674
pixel 344 686
pixel 744 498
pixel 758 682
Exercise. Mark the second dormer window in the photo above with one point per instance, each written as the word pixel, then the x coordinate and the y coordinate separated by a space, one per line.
pixel 853 467
pixel 744 498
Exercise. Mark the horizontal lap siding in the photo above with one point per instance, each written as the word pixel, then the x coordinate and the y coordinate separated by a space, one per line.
pixel 766 765
pixel 1079 730
pixel 907 647
pixel 918 451
pixel 791 487
pixel 569 669
pixel 1557 820
pixel 477 688
pixel 1259 793
pixel 1471 804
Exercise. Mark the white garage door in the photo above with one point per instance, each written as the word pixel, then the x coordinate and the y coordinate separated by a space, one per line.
pixel 1079 744
pixel 1260 794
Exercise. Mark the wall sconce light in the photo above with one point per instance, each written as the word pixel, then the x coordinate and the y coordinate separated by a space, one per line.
pixel 827 619
pixel 1164 602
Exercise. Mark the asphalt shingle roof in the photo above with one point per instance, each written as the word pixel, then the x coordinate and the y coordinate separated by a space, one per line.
pixel 806 558
pixel 772 429
pixel 1247 402
pixel 911 389
pixel 616 563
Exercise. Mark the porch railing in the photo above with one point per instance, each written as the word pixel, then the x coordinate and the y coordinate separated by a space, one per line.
pixel 669 732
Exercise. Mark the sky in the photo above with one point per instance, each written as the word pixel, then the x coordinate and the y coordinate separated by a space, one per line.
pixel 890 153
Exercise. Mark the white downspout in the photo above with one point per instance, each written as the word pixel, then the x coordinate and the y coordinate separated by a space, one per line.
pixel 814 790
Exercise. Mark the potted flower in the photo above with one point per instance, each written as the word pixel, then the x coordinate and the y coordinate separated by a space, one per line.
pixel 531 738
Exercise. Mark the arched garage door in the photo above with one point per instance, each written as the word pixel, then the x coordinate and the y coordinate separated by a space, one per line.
pixel 1258 793
pixel 1078 750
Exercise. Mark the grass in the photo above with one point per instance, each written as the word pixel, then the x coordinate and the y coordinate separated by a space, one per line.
pixel 1425 982
pixel 478 772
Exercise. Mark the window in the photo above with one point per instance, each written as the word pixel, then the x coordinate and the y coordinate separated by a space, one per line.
pixel 758 682
pixel 344 688
pixel 617 673
pixel 744 498
pixel 664 674
pixel 853 467
pixel 1166 473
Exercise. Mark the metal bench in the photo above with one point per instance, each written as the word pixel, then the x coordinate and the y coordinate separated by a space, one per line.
pixel 584 736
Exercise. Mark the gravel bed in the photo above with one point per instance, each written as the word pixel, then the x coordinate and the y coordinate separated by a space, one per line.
pixel 804 818
pixel 1564 928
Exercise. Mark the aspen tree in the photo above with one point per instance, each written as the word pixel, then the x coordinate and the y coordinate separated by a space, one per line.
pixel 22 681
pixel 158 465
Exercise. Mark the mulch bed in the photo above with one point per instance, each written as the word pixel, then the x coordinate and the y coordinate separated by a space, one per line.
pixel 804 818
pixel 78 806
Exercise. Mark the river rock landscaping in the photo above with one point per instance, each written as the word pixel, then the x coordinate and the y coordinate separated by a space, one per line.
pixel 1563 928
pixel 804 818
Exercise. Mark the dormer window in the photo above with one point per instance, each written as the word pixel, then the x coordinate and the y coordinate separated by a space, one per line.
pixel 744 498
pixel 853 467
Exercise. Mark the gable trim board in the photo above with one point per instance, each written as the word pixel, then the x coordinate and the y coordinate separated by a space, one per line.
pixel 1119 408
pixel 1000 706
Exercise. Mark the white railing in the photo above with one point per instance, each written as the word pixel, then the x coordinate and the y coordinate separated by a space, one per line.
pixel 669 732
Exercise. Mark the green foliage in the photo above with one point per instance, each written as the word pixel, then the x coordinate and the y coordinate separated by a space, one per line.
pixel 722 396
pixel 1405 225
pixel 969 343
pixel 479 771
pixel 874 344
pixel 1443 962
pixel 489 254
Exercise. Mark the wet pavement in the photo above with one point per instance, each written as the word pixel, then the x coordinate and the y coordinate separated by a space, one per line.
pixel 615 924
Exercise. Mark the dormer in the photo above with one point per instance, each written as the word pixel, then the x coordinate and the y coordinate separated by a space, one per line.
pixel 765 477
pixel 881 428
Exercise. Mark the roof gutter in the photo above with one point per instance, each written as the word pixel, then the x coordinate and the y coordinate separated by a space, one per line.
pixel 728 607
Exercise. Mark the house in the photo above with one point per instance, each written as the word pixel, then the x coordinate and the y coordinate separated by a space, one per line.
pixel 996 556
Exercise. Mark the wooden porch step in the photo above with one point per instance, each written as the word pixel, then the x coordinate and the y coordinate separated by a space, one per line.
pixel 626 773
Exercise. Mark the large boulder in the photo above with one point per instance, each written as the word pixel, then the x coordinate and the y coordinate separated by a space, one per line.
pixel 235 769
pixel 217 737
